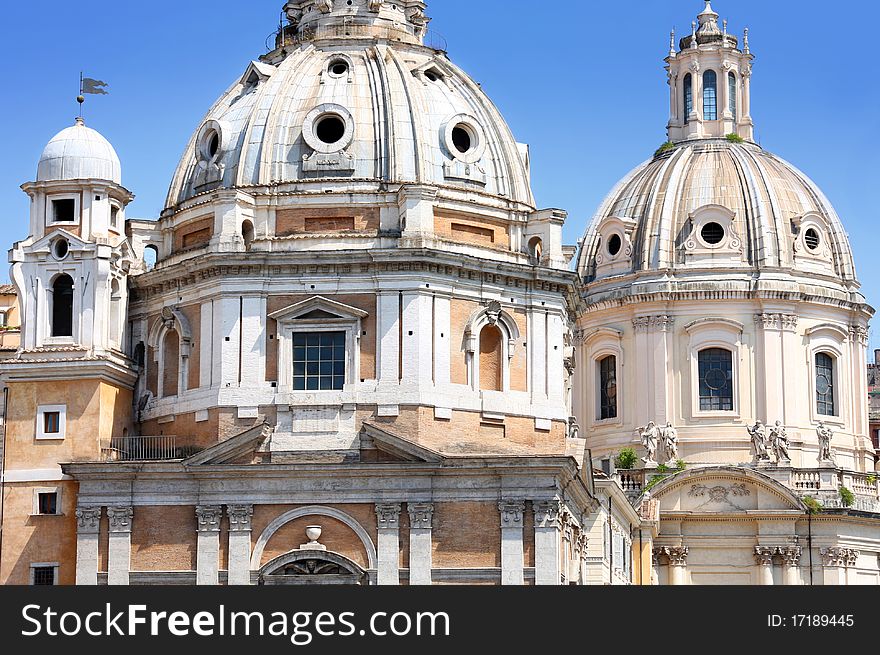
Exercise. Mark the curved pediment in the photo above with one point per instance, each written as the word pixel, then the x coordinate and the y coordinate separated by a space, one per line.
pixel 724 489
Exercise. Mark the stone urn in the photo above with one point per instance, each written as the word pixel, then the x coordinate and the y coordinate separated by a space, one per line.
pixel 313 533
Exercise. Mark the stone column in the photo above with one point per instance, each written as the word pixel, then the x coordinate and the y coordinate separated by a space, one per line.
pixel 677 564
pixel 239 568
pixel 421 516
pixel 88 525
pixel 791 557
pixel 547 536
pixel 388 547
pixel 512 557
pixel 764 563
pixel 119 550
pixel 208 544
pixel 835 560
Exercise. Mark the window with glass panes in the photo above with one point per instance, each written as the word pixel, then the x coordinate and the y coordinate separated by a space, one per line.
pixel 47 503
pixel 731 94
pixel 318 361
pixel 608 387
pixel 710 96
pixel 52 422
pixel 825 384
pixel 716 380
pixel 688 97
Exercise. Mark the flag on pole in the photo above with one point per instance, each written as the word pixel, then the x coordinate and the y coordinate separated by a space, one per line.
pixel 94 87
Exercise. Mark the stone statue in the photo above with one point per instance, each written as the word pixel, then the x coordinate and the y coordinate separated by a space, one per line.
pixel 826 434
pixel 574 430
pixel 758 433
pixel 669 437
pixel 649 441
pixel 779 442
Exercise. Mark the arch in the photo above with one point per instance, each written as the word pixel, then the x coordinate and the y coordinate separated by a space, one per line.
pixel 492 315
pixel 247 233
pixel 151 256
pixel 312 510
pixel 491 359
pixel 688 91
pixel 62 306
pixel 349 569
pixel 710 95
pixel 536 250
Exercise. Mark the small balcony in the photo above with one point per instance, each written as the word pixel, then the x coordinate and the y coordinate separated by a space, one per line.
pixel 145 449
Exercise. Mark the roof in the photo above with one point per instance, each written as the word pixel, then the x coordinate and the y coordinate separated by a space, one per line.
pixel 79 153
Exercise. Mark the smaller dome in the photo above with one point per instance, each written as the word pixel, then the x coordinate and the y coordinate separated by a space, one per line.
pixel 79 153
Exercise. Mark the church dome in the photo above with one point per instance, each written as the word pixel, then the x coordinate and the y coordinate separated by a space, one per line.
pixel 703 205
pixel 79 153
pixel 352 97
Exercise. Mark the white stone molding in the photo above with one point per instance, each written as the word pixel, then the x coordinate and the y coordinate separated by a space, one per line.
pixel 88 523
pixel 240 516
pixel 548 524
pixel 421 516
pixel 512 549
pixel 119 546
pixel 791 555
pixel 837 556
pixel 208 544
pixel 388 537
pixel 313 510
pixel 641 323
pixel 548 514
pixel 492 314
pixel 511 513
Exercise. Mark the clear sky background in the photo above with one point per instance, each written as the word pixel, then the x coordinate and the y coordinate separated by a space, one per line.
pixel 581 82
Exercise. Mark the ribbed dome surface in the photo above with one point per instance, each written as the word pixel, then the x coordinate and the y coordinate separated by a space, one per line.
pixel 401 103
pixel 79 153
pixel 774 206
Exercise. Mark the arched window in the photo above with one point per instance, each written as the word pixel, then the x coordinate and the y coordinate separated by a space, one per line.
pixel 688 97
pixel 62 306
pixel 825 384
pixel 710 96
pixel 731 94
pixel 151 256
pixel 716 380
pixel 491 352
pixel 170 363
pixel 608 387
pixel 247 233
pixel 536 249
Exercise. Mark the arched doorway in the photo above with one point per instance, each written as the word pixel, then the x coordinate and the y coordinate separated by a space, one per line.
pixel 312 567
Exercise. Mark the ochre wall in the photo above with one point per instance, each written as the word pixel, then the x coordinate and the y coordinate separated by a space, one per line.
pixel 466 535
pixel 472 230
pixel 164 539
pixel 290 222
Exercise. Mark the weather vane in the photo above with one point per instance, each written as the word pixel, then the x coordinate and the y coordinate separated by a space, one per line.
pixel 87 85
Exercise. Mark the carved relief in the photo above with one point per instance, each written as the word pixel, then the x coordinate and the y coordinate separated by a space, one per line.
pixel 720 493
pixel 837 556
pixel 791 555
pixel 88 519
pixel 764 555
pixel 208 517
pixel 240 517
pixel 547 513
pixel 120 518
pixel 421 515
pixel 826 452
pixel 511 513
pixel 677 555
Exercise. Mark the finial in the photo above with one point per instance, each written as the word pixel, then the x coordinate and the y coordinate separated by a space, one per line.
pixel 746 41
pixel 672 42
pixel 724 22
pixel 80 121
pixel 693 34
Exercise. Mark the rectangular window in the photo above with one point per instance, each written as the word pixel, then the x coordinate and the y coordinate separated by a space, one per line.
pixel 43 576
pixel 319 361
pixel 64 210
pixel 825 385
pixel 47 503
pixel 52 422
pixel 608 388
pixel 716 380
pixel 114 217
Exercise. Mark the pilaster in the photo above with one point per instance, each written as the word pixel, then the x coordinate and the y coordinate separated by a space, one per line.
pixel 239 568
pixel 421 517
pixel 208 544
pixel 388 543
pixel 512 555
pixel 119 549
pixel 548 524
pixel 88 523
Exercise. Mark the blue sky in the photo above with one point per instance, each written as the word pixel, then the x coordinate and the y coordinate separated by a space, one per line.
pixel 582 82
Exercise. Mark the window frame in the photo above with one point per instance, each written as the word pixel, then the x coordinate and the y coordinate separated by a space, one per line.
pixel 835 393
pixel 50 209
pixel 44 565
pixel 733 95
pixel 688 96
pixel 830 339
pixel 39 491
pixel 712 398
pixel 600 389
pixel 41 434
pixel 727 334
pixel 599 344
pixel 306 375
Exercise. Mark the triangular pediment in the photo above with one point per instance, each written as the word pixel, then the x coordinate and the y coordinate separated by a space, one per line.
pixel 234 449
pixel 399 446
pixel 318 308
pixel 257 72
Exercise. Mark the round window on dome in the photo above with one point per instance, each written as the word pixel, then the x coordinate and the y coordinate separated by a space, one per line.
pixel 712 233
pixel 614 245
pixel 338 68
pixel 812 239
pixel 210 145
pixel 60 248
pixel 330 128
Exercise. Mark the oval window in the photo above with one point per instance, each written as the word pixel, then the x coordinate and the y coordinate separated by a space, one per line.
pixel 338 67
pixel 811 238
pixel 712 233
pixel 60 248
pixel 461 139
pixel 614 245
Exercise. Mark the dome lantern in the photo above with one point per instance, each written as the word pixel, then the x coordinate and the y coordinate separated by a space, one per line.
pixel 710 83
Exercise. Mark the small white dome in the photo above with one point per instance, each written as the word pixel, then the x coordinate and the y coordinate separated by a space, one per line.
pixel 79 153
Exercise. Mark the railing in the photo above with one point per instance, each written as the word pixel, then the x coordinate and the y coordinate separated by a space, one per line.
pixel 806 480
pixel 142 449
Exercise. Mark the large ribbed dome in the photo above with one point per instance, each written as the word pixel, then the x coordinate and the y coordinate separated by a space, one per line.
pixel 79 153
pixel 359 109
pixel 715 204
